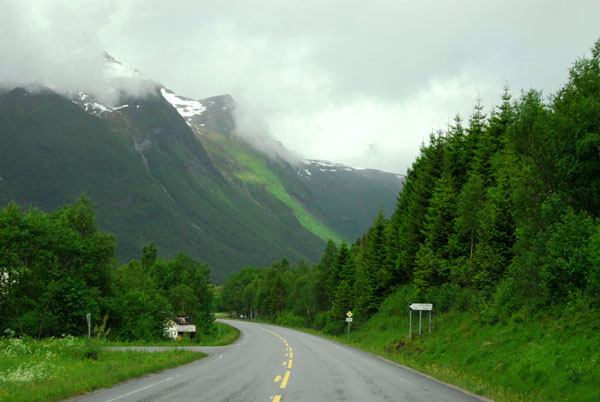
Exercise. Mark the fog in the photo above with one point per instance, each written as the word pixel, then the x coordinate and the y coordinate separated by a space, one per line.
pixel 58 46
pixel 252 128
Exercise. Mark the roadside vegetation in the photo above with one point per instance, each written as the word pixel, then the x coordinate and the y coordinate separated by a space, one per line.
pixel 57 368
pixel 498 226
pixel 55 268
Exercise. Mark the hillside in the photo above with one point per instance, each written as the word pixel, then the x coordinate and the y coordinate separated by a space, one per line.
pixel 348 197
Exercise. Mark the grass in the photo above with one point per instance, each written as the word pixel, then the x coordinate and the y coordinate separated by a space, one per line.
pixel 55 369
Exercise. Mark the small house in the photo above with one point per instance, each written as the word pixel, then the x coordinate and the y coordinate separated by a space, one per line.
pixel 178 326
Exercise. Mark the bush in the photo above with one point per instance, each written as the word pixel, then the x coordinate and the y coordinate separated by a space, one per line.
pixel 321 320
pixel 288 319
pixel 399 300
pixel 443 297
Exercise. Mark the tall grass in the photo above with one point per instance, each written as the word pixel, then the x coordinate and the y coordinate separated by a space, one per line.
pixel 54 369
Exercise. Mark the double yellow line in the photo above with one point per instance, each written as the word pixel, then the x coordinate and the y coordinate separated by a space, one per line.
pixel 290 356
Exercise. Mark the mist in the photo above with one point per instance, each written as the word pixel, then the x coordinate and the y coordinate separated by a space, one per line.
pixel 252 128
pixel 57 46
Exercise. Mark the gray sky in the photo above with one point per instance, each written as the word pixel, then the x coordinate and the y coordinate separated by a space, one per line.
pixel 357 82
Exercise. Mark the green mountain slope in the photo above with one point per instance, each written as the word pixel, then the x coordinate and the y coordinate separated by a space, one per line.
pixel 349 198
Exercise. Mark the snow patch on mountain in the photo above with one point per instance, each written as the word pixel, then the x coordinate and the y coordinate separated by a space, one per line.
pixel 91 105
pixel 186 107
pixel 311 166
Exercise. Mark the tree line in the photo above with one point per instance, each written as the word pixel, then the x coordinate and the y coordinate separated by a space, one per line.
pixel 498 214
pixel 56 267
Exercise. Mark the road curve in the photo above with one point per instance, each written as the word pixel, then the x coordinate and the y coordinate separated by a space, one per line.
pixel 277 364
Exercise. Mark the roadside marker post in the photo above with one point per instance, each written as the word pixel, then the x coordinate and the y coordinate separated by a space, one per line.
pixel 420 307
pixel 349 320
pixel 88 316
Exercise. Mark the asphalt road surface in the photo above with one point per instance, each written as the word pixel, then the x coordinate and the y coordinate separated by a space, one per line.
pixel 274 364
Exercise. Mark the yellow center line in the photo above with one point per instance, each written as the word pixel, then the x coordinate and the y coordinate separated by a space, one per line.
pixel 285 379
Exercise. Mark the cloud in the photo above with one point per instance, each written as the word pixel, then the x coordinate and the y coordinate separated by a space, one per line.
pixel 331 79
pixel 56 44
pixel 252 128
pixel 368 132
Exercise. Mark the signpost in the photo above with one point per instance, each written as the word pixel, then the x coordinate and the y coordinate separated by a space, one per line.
pixel 420 307
pixel 349 320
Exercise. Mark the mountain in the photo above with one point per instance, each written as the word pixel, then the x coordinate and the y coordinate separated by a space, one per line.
pixel 349 198
pixel 161 167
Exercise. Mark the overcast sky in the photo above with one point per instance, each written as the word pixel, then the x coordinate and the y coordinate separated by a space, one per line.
pixel 357 82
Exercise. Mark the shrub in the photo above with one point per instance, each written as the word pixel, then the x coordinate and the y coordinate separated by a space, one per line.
pixel 290 320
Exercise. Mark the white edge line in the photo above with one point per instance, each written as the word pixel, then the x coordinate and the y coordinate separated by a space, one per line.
pixel 141 389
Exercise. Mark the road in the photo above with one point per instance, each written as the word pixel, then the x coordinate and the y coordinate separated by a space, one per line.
pixel 274 364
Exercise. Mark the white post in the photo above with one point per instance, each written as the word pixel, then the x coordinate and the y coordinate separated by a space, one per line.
pixel 410 325
pixel 88 316
pixel 420 315
pixel 348 331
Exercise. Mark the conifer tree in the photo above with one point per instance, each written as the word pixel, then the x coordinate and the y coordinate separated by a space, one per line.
pixel 344 294
pixel 414 202
pixel 432 266
pixel 492 139
pixel 327 276
pixel 372 275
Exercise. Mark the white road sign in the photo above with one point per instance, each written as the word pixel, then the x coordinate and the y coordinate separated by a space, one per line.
pixel 421 306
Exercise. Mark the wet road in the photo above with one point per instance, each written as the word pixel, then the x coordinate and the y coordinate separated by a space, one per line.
pixel 271 363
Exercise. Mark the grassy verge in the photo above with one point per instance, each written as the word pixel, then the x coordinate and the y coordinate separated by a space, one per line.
pixel 532 359
pixel 529 357
pixel 228 335
pixel 55 369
